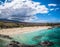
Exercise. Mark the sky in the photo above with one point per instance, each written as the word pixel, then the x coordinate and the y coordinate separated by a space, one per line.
pixel 31 10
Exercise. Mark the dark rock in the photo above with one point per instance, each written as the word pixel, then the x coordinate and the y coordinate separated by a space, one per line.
pixel 14 44
pixel 5 36
pixel 46 43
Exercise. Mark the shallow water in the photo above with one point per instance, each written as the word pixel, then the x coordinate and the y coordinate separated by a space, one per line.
pixel 33 38
pixel 4 42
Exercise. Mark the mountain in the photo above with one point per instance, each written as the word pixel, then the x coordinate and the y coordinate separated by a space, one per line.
pixel 27 23
pixel 7 20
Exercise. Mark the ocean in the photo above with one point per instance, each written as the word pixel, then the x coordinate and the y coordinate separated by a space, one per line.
pixel 33 38
pixel 38 37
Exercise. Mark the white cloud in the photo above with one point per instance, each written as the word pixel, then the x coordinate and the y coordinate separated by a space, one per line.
pixel 52 4
pixel 52 9
pixel 0 12
pixel 21 9
pixel 41 21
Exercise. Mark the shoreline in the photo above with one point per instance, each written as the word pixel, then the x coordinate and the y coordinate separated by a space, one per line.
pixel 13 31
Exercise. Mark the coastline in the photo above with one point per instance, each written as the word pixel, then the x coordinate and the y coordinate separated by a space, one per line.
pixel 13 31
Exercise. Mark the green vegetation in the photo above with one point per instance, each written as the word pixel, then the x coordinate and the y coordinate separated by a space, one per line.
pixel 8 25
pixel 24 24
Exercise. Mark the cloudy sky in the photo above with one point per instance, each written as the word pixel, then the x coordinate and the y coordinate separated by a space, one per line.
pixel 30 10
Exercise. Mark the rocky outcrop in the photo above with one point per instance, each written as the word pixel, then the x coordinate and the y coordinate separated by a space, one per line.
pixel 46 43
pixel 5 36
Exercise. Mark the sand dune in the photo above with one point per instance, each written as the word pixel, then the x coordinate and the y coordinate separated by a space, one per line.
pixel 13 31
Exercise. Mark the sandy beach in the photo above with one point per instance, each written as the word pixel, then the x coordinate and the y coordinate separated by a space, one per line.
pixel 13 31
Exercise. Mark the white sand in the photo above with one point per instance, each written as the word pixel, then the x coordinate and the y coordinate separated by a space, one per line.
pixel 13 31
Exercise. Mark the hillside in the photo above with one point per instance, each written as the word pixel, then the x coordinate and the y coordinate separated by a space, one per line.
pixel 4 23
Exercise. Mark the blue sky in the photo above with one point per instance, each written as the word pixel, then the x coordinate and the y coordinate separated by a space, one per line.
pixel 52 16
pixel 30 10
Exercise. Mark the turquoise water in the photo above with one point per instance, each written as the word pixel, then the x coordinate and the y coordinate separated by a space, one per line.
pixel 33 38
